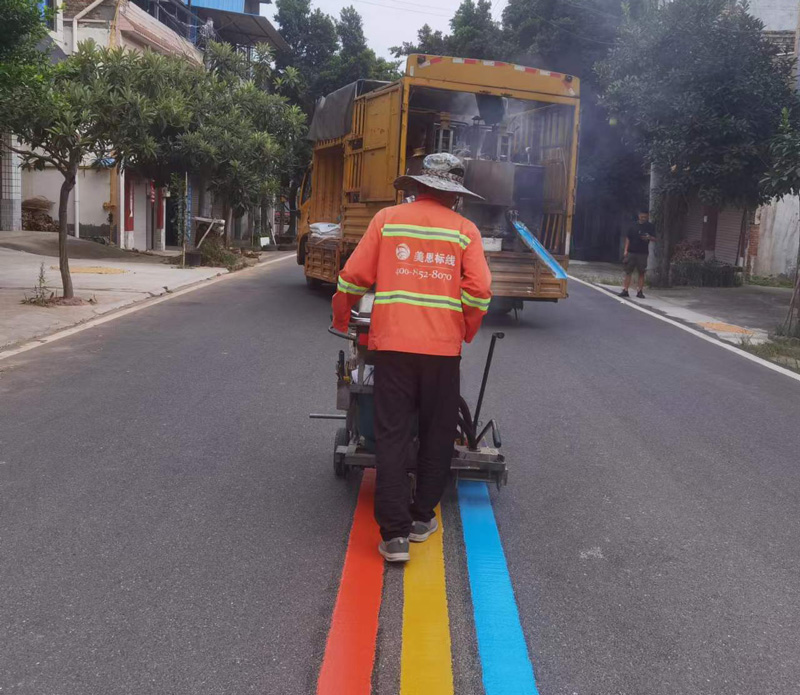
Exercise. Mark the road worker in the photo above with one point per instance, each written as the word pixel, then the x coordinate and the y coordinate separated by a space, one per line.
pixel 432 290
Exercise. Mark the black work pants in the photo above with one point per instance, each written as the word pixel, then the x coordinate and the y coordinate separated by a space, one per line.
pixel 407 386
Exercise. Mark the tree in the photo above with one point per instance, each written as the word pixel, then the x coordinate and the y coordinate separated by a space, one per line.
pixel 783 178
pixel 54 115
pixel 429 42
pixel 699 90
pixel 326 53
pixel 355 59
pixel 474 32
pixel 21 30
pixel 245 136
pixel 153 101
pixel 313 43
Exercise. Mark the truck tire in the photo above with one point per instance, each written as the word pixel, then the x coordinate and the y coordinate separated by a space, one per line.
pixel 313 283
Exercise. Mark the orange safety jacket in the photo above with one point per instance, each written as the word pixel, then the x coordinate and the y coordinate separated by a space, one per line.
pixel 432 282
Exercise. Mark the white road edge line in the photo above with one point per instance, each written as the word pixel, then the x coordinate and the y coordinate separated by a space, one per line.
pixel 144 304
pixel 694 332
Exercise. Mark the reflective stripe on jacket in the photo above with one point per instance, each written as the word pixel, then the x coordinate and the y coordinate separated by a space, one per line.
pixel 432 282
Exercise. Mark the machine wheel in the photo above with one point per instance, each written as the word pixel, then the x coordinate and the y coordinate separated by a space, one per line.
pixel 339 466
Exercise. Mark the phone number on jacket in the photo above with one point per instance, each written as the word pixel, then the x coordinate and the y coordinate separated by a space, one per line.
pixel 424 274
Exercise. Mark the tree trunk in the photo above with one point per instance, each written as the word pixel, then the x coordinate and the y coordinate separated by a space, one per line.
pixel 293 212
pixel 63 258
pixel 669 220
pixel 228 214
pixel 793 315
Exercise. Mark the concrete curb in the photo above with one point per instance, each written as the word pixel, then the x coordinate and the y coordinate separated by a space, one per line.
pixel 694 331
pixel 18 348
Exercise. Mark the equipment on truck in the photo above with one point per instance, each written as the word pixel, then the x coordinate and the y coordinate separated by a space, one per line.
pixel 515 128
pixel 354 445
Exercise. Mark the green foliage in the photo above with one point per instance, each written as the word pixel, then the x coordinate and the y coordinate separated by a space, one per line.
pixel 42 294
pixel 326 53
pixel 783 176
pixel 474 34
pixel 177 191
pixel 699 90
pixel 57 116
pixel 21 29
pixel 771 281
pixel 214 253
pixel 697 273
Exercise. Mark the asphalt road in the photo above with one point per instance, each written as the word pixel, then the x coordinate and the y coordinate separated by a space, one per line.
pixel 169 521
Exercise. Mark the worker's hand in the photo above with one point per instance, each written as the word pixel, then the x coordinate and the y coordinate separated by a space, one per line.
pixel 625 258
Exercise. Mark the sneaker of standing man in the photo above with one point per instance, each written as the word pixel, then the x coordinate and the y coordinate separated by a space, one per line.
pixel 432 290
pixel 634 255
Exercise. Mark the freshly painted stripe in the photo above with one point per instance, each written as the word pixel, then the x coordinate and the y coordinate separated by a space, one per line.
pixel 507 668
pixel 418 302
pixel 350 650
pixel 426 660
pixel 349 288
pixel 476 302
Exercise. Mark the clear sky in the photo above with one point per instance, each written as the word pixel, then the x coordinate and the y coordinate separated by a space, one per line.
pixel 390 22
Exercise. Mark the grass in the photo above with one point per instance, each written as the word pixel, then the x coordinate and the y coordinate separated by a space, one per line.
pixel 42 295
pixel 782 351
pixel 770 281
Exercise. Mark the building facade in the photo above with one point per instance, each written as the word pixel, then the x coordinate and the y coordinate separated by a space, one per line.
pixel 122 206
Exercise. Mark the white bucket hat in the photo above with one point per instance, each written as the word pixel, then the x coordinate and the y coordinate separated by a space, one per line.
pixel 442 171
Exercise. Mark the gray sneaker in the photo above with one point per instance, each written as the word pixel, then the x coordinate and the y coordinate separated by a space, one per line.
pixel 394 550
pixel 421 531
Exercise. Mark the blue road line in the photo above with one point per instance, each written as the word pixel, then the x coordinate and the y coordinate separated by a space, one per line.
pixel 538 248
pixel 507 668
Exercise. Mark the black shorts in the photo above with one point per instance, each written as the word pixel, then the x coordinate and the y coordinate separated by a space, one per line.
pixel 635 261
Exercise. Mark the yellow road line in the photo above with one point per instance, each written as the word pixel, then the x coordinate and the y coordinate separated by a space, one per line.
pixel 426 662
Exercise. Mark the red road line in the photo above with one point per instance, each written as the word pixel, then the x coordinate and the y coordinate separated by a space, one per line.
pixel 350 650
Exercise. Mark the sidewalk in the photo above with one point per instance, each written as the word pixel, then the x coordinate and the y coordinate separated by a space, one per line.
pixel 105 274
pixel 750 312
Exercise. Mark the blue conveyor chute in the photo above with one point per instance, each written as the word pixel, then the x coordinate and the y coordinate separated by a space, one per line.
pixel 536 246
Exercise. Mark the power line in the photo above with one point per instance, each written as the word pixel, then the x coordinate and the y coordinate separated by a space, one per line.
pixel 401 9
pixel 428 7
pixel 591 9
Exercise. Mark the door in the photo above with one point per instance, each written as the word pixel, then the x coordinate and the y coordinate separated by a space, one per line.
pixel 380 144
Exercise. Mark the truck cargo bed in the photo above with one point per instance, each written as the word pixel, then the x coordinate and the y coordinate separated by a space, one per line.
pixel 523 276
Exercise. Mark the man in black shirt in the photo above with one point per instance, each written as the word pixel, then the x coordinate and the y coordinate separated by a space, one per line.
pixel 637 248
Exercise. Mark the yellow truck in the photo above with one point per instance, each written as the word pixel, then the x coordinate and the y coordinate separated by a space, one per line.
pixel 515 128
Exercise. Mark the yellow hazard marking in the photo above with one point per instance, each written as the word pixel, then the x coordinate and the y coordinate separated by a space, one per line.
pixel 426 661
pixel 93 270
pixel 724 327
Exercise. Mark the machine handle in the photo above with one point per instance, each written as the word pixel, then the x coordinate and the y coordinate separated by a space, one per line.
pixel 495 337
pixel 345 336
